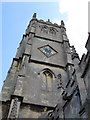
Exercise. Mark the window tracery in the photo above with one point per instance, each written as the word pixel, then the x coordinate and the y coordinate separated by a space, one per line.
pixel 49 30
pixel 47 80
pixel 52 30
pixel 44 29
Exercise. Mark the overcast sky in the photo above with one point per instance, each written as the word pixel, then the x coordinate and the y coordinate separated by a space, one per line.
pixel 16 16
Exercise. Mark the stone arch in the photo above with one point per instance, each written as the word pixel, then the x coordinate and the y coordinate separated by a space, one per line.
pixel 47 77
pixel 47 69
pixel 52 30
pixel 44 29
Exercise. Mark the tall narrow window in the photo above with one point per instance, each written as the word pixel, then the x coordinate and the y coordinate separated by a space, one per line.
pixel 47 80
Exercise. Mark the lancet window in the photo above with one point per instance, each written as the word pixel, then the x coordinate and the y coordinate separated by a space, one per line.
pixel 47 80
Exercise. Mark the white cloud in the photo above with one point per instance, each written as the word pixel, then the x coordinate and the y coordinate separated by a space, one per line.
pixel 77 23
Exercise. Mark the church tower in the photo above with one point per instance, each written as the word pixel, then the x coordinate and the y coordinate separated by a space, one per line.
pixel 42 79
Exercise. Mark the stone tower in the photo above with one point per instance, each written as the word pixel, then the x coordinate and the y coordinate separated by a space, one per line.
pixel 44 80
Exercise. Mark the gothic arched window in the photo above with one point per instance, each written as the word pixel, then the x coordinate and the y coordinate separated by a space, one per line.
pixel 47 80
pixel 53 31
pixel 44 29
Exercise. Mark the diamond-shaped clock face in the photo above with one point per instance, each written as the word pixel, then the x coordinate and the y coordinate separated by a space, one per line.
pixel 47 50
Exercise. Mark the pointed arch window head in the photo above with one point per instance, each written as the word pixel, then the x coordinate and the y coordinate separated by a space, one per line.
pixel 48 70
pixel 53 31
pixel 44 29
pixel 48 73
pixel 48 30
